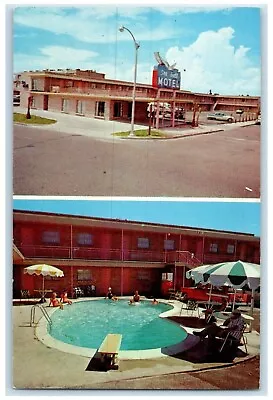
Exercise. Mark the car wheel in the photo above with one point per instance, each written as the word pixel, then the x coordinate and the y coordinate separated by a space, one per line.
pixel 229 120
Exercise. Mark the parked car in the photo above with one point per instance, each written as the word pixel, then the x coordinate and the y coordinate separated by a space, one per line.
pixel 239 111
pixel 258 120
pixel 219 116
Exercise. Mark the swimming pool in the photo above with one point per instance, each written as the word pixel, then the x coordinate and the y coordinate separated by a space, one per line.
pixel 86 323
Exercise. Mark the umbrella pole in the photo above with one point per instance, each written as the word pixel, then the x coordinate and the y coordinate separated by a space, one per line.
pixel 252 303
pixel 233 304
pixel 210 290
pixel 251 308
pixel 43 292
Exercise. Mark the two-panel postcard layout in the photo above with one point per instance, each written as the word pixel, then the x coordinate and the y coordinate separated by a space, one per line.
pixel 136 208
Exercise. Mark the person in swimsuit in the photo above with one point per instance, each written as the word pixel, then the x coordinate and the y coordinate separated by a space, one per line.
pixel 110 296
pixel 55 302
pixel 64 298
pixel 136 298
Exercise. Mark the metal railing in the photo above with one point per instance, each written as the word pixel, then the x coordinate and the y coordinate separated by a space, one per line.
pixel 108 254
pixel 44 312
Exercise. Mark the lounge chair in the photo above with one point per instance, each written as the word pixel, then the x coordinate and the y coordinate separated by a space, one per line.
pixel 233 343
pixel 190 306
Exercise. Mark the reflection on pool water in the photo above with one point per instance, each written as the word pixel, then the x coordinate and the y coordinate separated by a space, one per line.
pixel 86 323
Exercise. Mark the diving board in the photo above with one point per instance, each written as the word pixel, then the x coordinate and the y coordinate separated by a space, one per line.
pixel 109 349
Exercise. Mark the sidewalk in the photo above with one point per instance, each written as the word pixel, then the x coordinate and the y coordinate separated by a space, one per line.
pixel 48 367
pixel 102 129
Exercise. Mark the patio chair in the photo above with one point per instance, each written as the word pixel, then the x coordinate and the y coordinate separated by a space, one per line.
pixel 172 294
pixel 228 341
pixel 77 292
pixel 24 294
pixel 211 310
pixel 190 307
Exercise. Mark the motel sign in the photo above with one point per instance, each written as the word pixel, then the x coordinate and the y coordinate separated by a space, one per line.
pixel 167 78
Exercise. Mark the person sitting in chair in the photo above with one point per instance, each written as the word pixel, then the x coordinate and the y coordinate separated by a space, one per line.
pixel 233 325
pixel 54 301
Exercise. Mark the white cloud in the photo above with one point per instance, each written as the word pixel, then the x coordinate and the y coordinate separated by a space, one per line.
pixel 93 25
pixel 190 10
pixel 213 63
pixel 53 57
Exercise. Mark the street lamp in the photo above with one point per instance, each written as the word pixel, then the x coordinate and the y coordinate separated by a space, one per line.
pixel 122 29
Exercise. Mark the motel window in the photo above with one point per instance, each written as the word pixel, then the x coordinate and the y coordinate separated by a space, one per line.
pixel 230 248
pixel 69 84
pixel 64 105
pixel 144 275
pixel 85 239
pixel 84 275
pixel 143 243
pixel 34 84
pixel 167 276
pixel 93 86
pixel 168 244
pixel 51 237
pixel 79 107
pixel 100 108
pixel 213 248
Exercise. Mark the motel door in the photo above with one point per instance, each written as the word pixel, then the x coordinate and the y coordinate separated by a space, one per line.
pixel 46 102
pixel 130 105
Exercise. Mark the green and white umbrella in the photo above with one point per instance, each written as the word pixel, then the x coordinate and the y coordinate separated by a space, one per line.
pixel 235 274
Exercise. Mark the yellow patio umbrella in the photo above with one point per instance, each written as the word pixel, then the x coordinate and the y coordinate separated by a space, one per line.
pixel 44 270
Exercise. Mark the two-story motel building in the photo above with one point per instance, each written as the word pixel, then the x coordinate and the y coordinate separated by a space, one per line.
pixel 88 93
pixel 126 255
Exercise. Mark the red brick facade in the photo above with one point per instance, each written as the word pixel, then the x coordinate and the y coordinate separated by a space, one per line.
pixel 70 91
pixel 125 255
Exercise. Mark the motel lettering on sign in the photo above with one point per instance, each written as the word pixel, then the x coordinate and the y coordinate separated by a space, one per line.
pixel 168 78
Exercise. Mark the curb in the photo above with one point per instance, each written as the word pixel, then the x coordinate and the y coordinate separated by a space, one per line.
pixel 180 136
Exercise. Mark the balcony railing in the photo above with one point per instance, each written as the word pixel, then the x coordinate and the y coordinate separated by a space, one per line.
pixel 87 253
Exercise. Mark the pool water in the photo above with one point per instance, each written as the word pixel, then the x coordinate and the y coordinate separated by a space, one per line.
pixel 86 324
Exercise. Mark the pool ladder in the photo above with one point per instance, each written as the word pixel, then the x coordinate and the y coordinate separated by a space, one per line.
pixel 44 312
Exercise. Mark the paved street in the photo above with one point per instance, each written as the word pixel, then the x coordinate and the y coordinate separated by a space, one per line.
pixel 220 164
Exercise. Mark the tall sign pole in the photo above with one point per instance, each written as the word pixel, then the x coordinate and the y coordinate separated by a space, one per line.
pixel 168 77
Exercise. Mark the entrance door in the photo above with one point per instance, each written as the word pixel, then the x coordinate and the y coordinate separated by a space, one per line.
pixel 130 110
pixel 46 102
pixel 117 109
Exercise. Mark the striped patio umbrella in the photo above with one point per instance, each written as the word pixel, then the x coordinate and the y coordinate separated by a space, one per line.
pixel 44 270
pixel 235 274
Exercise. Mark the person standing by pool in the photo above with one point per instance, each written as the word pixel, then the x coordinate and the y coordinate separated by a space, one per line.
pixel 136 298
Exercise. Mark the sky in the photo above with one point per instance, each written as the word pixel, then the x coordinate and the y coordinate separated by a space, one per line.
pixel 219 47
pixel 223 215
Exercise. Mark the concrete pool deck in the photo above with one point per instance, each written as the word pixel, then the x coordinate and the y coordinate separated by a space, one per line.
pixel 40 366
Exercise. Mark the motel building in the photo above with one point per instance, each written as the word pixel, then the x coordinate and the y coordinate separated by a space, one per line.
pixel 126 255
pixel 88 93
